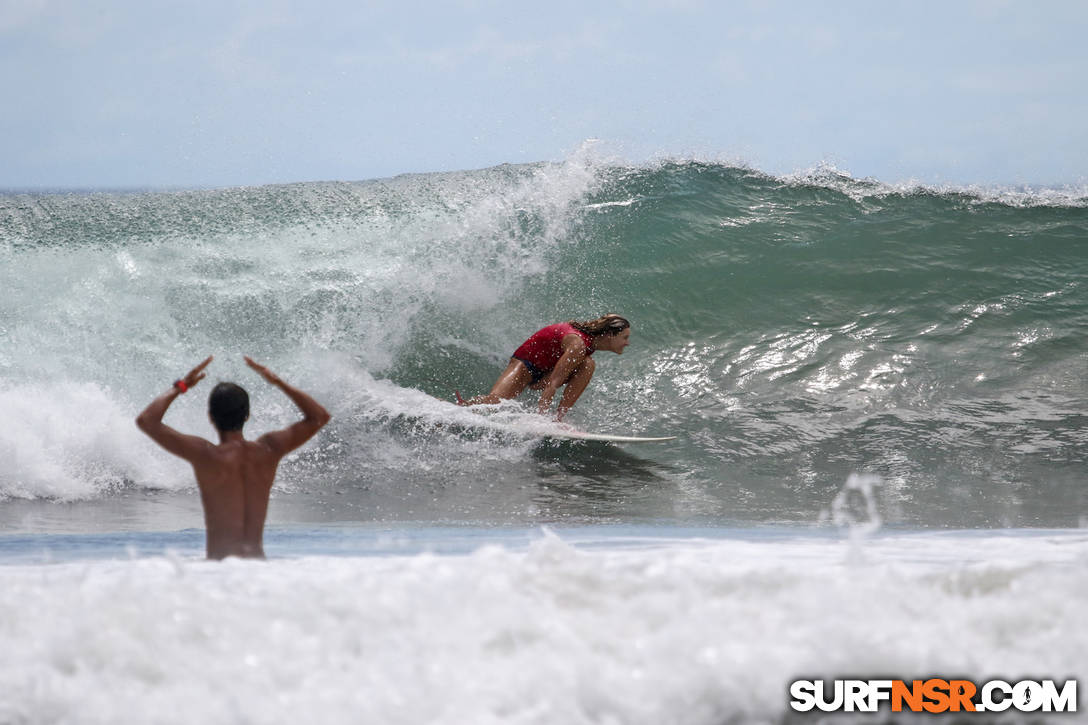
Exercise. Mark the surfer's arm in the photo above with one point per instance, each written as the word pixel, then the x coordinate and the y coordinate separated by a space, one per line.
pixel 574 354
pixel 150 419
pixel 314 415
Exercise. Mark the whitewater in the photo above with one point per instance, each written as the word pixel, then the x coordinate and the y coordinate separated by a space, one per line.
pixel 879 393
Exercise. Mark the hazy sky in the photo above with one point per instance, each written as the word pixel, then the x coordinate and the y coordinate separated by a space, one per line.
pixel 197 93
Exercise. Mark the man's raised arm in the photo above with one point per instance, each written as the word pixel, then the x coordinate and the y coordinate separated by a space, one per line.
pixel 150 419
pixel 314 415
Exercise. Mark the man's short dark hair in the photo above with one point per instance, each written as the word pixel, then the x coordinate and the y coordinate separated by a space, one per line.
pixel 228 406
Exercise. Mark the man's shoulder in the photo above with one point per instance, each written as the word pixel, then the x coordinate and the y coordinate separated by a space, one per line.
pixel 237 449
pixel 259 446
pixel 268 445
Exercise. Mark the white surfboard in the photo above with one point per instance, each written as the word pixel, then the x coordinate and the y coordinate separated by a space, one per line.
pixel 577 435
pixel 558 431
pixel 535 426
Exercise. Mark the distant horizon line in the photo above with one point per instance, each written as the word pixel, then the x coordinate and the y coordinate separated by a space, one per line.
pixel 821 167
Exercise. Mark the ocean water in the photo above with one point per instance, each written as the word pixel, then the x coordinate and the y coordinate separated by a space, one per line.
pixel 879 393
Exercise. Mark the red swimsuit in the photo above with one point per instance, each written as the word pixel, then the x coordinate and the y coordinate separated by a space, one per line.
pixel 542 351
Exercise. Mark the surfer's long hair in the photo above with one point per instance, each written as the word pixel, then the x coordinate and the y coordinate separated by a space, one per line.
pixel 605 325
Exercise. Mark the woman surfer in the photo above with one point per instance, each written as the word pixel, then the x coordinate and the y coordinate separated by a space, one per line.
pixel 555 356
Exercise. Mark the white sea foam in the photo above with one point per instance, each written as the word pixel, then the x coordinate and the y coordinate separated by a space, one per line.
pixel 689 631
pixel 66 440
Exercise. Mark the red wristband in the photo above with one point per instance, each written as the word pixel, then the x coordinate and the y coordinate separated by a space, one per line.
pixel 181 386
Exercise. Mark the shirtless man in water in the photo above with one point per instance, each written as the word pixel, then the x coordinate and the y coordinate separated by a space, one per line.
pixel 235 477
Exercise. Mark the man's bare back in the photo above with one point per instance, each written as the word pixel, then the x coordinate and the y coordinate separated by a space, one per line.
pixel 235 476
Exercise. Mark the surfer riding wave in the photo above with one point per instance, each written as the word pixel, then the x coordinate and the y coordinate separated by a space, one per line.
pixel 556 356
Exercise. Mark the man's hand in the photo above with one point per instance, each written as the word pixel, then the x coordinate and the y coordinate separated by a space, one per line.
pixel 195 375
pixel 282 442
pixel 263 371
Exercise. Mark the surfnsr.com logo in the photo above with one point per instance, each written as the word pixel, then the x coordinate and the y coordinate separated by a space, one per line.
pixel 934 695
